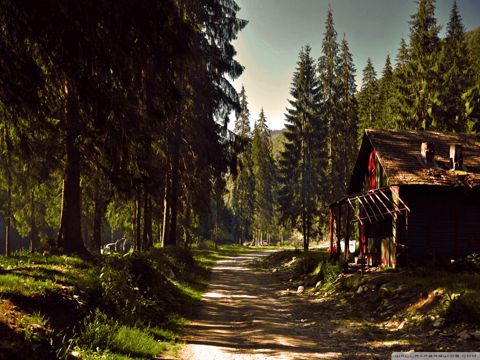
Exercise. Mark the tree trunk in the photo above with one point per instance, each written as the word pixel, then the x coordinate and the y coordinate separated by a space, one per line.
pixel 8 219
pixel 70 233
pixel 138 225
pixel 175 179
pixel 147 222
pixel 187 225
pixel 97 222
pixel 166 213
pixel 34 242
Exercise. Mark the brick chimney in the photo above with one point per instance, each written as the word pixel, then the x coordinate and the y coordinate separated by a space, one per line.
pixel 456 157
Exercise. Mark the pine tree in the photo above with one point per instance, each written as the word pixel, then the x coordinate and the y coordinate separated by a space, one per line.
pixel 457 76
pixel 348 113
pixel 386 97
pixel 328 65
pixel 368 99
pixel 422 69
pixel 303 161
pixel 401 100
pixel 264 174
pixel 244 182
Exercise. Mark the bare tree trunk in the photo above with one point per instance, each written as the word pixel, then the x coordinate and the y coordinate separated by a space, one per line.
pixel 134 227
pixel 97 222
pixel 33 243
pixel 70 233
pixel 166 213
pixel 147 222
pixel 138 225
pixel 8 241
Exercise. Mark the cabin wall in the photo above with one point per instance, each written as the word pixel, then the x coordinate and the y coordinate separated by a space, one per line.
pixel 443 223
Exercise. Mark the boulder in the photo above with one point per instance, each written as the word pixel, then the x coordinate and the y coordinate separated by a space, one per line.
pixel 300 290
pixel 439 322
pixel 463 335
pixel 383 292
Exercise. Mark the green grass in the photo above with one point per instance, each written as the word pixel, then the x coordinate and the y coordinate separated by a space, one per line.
pixel 136 342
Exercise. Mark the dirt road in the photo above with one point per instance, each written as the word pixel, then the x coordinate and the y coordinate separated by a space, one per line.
pixel 248 315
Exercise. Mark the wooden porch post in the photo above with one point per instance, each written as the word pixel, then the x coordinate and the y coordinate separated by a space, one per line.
pixel 339 228
pixel 347 232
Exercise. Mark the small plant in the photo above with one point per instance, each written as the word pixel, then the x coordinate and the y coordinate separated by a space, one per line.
pixel 96 332
pixel 462 307
pixel 34 327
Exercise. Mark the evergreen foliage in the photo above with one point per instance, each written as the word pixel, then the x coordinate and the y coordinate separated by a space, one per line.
pixel 368 100
pixel 457 76
pixel 244 182
pixel 302 163
pixel 264 175
pixel 83 89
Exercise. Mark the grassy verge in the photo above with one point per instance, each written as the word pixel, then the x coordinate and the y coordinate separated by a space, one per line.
pixel 431 307
pixel 114 307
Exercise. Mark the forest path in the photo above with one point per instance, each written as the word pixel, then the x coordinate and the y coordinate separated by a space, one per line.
pixel 247 315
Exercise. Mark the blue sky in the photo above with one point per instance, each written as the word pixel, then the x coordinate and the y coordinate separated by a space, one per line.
pixel 269 45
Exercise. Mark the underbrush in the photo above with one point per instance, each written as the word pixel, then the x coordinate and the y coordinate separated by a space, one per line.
pixel 445 299
pixel 109 307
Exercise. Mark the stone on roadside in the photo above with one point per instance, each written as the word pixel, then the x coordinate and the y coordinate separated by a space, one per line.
pixel 475 335
pixel 463 335
pixel 300 290
pixel 383 292
pixel 318 284
pixel 439 322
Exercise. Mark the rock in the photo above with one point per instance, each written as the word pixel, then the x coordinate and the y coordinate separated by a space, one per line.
pixel 402 325
pixel 318 284
pixel 463 335
pixel 383 292
pixel 360 289
pixel 274 270
pixel 439 322
pixel 300 290
pixel 475 335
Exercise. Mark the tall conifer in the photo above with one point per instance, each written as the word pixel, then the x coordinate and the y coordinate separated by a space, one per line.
pixel 456 76
pixel 244 182
pixel 264 174
pixel 422 69
pixel 368 100
pixel 302 163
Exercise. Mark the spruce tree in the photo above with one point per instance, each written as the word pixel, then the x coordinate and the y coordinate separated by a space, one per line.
pixel 386 97
pixel 302 163
pixel 244 182
pixel 422 69
pixel 368 100
pixel 328 65
pixel 348 109
pixel 264 174
pixel 456 76
pixel 401 100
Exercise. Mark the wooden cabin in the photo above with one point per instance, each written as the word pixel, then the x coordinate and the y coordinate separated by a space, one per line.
pixel 412 197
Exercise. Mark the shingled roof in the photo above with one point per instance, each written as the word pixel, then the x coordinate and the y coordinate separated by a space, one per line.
pixel 399 154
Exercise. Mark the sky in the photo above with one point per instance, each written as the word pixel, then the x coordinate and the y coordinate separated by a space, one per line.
pixel 269 45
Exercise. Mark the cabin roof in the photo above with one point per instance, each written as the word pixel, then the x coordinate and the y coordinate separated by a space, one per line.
pixel 399 154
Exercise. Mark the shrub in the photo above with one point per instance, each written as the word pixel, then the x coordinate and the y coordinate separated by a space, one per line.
pixel 463 307
pixel 96 331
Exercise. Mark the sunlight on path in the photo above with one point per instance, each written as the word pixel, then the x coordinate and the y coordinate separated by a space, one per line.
pixel 244 318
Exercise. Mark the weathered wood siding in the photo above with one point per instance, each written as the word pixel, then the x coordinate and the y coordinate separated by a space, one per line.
pixel 443 223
